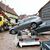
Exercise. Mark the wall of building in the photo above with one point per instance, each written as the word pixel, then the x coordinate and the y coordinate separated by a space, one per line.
pixel 44 13
pixel 12 17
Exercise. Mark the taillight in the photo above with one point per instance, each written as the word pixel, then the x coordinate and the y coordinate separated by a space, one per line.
pixel 36 39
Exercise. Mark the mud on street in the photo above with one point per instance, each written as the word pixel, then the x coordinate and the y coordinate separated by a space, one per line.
pixel 6 42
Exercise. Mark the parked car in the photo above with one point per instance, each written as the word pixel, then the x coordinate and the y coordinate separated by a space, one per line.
pixel 28 42
pixel 45 26
pixel 31 22
pixel 45 45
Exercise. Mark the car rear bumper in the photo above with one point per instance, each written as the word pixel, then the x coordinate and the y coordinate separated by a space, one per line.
pixel 30 44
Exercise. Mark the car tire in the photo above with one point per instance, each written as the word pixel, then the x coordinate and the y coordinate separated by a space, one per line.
pixel 33 25
pixel 19 45
pixel 12 32
pixel 41 48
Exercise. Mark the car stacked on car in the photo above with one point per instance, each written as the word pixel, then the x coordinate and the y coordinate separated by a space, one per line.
pixel 27 23
pixel 35 25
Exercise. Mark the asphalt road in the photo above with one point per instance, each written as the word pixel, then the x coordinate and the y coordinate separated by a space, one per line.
pixel 6 42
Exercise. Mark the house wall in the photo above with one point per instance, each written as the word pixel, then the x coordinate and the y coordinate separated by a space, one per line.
pixel 44 13
pixel 12 17
pixel 7 15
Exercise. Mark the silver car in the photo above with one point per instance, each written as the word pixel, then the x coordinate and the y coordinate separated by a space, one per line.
pixel 28 42
pixel 30 22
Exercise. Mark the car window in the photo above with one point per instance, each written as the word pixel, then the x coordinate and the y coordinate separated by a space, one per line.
pixel 48 22
pixel 28 40
pixel 43 24
pixel 29 18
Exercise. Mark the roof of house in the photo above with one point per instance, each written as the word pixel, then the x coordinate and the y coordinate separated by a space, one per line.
pixel 7 8
pixel 44 6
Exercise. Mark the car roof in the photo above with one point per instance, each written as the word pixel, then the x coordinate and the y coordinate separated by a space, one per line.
pixel 29 17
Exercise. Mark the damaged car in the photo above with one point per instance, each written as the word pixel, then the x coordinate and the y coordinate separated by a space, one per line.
pixel 30 22
pixel 28 42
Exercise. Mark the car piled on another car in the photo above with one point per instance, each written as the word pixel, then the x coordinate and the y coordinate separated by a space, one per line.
pixel 27 23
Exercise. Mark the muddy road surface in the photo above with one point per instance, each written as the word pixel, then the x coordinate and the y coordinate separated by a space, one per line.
pixel 6 42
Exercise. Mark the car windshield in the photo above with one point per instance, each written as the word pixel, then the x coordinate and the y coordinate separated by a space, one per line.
pixel 45 23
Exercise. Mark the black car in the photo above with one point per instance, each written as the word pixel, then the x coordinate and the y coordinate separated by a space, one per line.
pixel 45 45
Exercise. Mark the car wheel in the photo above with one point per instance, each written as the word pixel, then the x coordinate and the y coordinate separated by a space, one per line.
pixel 19 45
pixel 12 32
pixel 41 48
pixel 33 25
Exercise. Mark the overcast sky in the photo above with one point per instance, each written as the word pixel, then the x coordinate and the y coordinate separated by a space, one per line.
pixel 25 6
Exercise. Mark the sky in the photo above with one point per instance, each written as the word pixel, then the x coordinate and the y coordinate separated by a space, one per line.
pixel 27 7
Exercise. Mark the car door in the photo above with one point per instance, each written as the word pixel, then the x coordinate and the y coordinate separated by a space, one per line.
pixel 24 24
